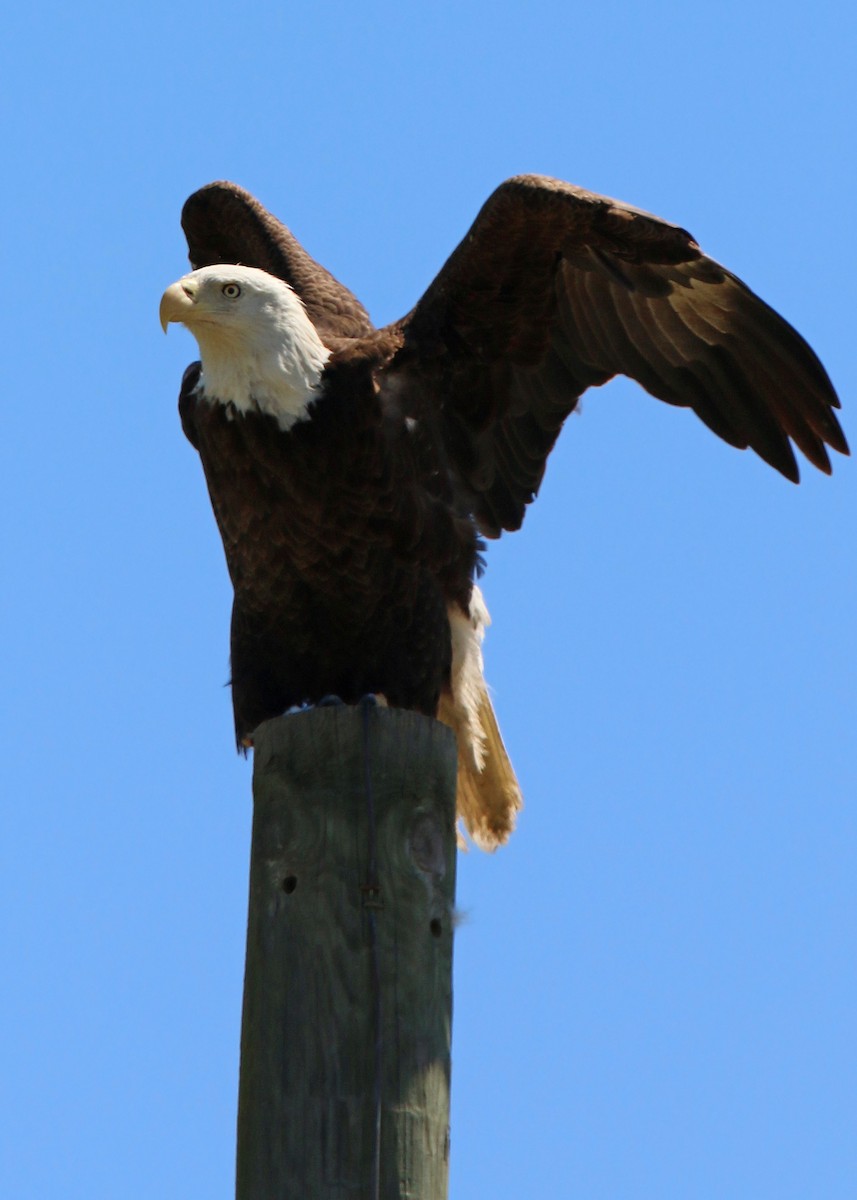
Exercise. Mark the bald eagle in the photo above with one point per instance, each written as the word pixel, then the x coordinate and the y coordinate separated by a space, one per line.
pixel 353 471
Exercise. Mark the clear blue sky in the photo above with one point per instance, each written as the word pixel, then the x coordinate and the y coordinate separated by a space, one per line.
pixel 655 986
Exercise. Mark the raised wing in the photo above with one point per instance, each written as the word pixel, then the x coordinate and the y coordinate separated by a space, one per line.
pixel 225 224
pixel 554 290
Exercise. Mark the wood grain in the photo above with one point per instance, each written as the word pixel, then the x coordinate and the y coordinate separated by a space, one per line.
pixel 319 942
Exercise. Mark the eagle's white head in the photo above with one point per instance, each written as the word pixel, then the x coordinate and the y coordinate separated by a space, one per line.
pixel 259 349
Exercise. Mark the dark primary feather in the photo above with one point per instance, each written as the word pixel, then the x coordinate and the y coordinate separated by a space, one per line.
pixel 554 290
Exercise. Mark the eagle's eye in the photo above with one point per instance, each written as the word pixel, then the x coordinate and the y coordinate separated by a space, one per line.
pixel 231 290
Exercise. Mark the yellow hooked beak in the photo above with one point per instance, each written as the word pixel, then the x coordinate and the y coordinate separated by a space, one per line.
pixel 177 302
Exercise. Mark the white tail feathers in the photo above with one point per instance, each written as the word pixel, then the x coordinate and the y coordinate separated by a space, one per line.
pixel 488 796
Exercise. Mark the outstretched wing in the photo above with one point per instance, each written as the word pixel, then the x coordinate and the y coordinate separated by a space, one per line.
pixel 225 224
pixel 554 290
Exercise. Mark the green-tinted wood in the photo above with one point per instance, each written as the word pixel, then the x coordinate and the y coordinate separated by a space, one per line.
pixel 306 1110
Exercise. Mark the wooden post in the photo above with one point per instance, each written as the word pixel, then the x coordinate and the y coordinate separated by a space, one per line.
pixel 345 1041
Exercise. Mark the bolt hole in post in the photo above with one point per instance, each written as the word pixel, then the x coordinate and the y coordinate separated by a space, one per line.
pixel 289 884
pixel 436 927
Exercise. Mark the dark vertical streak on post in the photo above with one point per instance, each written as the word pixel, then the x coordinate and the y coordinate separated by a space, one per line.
pixel 372 901
pixel 306 1119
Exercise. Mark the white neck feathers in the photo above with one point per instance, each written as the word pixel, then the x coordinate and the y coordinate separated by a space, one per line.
pixel 276 371
pixel 260 351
